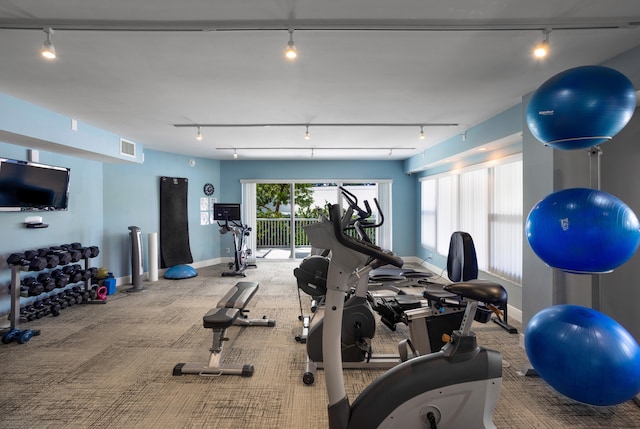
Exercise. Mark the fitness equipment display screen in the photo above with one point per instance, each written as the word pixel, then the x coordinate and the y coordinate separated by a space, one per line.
pixel 226 212
pixel 30 186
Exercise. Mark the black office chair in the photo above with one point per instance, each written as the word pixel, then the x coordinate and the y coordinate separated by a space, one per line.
pixel 462 266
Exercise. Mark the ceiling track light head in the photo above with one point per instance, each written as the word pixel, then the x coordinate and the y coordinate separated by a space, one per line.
pixel 235 154
pixel 48 50
pixel 542 49
pixel 307 136
pixel 421 135
pixel 198 134
pixel 291 52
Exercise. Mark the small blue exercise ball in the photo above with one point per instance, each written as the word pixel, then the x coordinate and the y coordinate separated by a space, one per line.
pixel 581 107
pixel 179 272
pixel 584 354
pixel 582 230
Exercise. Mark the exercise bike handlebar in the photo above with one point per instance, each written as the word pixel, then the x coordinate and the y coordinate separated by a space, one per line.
pixel 368 249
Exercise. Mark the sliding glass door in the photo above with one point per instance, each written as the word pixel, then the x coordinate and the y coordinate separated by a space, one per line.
pixel 280 210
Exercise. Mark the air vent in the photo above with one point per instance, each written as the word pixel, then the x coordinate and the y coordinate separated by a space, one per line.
pixel 127 148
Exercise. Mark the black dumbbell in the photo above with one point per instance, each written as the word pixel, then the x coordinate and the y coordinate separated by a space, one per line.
pixel 64 256
pixel 42 307
pixel 27 313
pixel 78 292
pixel 70 296
pixel 64 300
pixel 48 282
pixel 81 292
pixel 85 252
pixel 76 255
pixel 29 258
pixel 56 302
pixel 60 278
pixel 77 274
pixel 95 251
pixel 54 306
pixel 17 259
pixel 52 258
pixel 31 287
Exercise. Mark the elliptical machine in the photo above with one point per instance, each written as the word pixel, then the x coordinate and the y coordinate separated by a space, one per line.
pixel 456 387
pixel 230 215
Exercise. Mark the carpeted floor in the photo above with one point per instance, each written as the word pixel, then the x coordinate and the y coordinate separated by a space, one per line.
pixel 110 366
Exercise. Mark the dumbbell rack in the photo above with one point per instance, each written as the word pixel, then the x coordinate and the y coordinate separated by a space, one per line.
pixel 16 292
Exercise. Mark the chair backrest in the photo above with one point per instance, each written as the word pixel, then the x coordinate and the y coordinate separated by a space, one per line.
pixel 462 263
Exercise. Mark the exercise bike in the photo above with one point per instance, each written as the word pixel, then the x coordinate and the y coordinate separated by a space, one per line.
pixel 230 214
pixel 456 387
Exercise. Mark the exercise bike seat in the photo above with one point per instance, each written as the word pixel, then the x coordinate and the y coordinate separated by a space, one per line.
pixel 479 290
pixel 220 318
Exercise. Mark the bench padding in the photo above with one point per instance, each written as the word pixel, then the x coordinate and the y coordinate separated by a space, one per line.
pixel 220 318
pixel 239 295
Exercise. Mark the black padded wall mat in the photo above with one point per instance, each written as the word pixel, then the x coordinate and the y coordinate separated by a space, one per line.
pixel 174 222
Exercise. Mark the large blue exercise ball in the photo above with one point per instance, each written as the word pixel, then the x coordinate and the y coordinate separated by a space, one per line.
pixel 581 107
pixel 582 230
pixel 584 354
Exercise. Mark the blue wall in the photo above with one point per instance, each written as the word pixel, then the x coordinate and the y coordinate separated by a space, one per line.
pixel 131 197
pixel 82 222
pixel 403 191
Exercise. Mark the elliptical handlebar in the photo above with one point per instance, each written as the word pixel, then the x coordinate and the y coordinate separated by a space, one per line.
pixel 368 249
pixel 363 214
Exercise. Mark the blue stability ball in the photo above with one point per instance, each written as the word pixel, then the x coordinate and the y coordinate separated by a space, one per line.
pixel 583 230
pixel 178 272
pixel 584 354
pixel 581 107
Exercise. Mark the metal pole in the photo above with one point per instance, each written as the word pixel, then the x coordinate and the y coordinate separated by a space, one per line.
pixel 594 173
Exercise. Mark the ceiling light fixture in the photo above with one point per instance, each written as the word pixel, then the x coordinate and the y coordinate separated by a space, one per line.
pixel 198 135
pixel 421 136
pixel 542 49
pixel 464 136
pixel 291 52
pixel 235 154
pixel 48 50
pixel 390 152
pixel 306 134
pixel 311 152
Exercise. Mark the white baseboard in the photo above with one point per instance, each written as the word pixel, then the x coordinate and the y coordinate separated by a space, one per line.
pixel 126 280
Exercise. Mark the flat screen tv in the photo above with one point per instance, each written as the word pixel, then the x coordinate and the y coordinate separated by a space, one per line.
pixel 226 212
pixel 30 186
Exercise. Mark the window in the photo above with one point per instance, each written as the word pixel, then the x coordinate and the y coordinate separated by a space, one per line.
pixel 486 202
pixel 428 208
pixel 446 212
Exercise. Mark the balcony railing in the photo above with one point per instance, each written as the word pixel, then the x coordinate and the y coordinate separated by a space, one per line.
pixel 276 232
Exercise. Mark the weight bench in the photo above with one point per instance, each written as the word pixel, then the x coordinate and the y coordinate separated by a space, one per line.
pixel 229 311
pixel 238 297
pixel 217 319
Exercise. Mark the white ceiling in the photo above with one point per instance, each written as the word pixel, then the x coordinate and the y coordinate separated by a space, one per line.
pixel 360 62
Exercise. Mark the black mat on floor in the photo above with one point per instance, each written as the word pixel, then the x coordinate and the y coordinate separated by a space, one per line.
pixel 174 222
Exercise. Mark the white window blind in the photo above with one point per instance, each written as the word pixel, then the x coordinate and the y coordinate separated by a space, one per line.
pixel 506 221
pixel 474 211
pixel 428 208
pixel 446 212
pixel 486 202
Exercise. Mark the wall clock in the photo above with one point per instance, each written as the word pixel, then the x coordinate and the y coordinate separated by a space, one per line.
pixel 209 189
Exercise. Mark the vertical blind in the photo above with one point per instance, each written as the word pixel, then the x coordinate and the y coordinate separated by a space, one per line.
pixel 486 202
